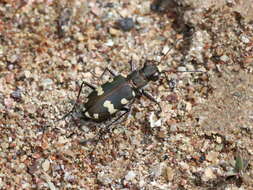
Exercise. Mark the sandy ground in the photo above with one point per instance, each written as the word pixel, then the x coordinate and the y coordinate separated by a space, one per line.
pixel 202 139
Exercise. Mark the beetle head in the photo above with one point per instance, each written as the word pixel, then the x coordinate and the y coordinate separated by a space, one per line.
pixel 150 71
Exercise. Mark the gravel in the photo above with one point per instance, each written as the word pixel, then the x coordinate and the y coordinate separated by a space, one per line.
pixel 47 48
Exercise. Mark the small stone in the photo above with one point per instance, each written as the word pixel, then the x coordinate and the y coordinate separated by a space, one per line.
pixel 212 157
pixel 236 68
pixel 158 169
pixel 125 24
pixel 79 36
pixel 160 6
pixel 114 32
pixel 30 108
pixel 8 102
pixel 109 43
pixel 46 165
pixel 165 50
pixel 1 50
pixel 145 7
pixel 181 69
pixel 130 176
pixel 245 39
pixel 16 95
pixel 96 10
pixel 10 78
pixel 154 122
pixel 143 20
pixel 208 174
pixel 173 128
pixel 47 84
pixel 104 178
pixel 224 58
pixel 27 74
pixel 69 177
pixel 188 106
pixel 161 134
pixel 218 139
pixel 13 58
pixel 169 173
pixel 4 145
pixel 62 140
pixel 109 5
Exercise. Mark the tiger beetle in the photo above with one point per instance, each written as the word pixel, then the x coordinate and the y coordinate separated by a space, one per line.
pixel 113 96
pixel 119 93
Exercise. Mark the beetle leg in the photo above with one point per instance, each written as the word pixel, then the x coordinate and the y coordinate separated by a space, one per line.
pixel 151 98
pixel 76 102
pixel 128 110
pixel 113 73
pixel 132 65
pixel 87 84
pixel 106 129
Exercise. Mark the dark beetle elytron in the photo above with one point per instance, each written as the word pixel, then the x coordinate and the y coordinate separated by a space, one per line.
pixel 113 96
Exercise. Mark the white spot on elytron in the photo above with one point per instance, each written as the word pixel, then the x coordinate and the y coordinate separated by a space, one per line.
pixel 159 68
pixel 95 115
pixel 100 90
pixel 110 80
pixel 87 114
pixel 125 76
pixel 133 93
pixel 109 106
pixel 124 101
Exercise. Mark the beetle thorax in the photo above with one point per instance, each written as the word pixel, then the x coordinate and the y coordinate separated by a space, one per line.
pixel 137 79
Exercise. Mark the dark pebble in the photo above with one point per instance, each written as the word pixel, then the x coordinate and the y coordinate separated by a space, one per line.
pixel 125 24
pixel 16 95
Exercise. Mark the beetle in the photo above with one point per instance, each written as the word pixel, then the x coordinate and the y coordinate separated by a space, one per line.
pixel 119 92
pixel 114 95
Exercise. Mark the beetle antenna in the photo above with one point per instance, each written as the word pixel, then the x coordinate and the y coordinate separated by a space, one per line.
pixel 167 52
pixel 173 70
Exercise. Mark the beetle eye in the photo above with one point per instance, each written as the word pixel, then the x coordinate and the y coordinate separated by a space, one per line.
pixel 155 76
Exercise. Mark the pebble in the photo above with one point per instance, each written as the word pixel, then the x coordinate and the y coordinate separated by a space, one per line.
pixel 208 174
pixel 13 58
pixel 219 140
pixel 62 140
pixel 154 122
pixel 212 157
pixel 109 43
pixel 181 69
pixel 16 95
pixel 20 168
pixel 125 24
pixel 8 102
pixel 30 108
pixel 1 50
pixel 104 178
pixel 169 173
pixel 10 78
pixel 130 176
pixel 46 165
pixel 47 84
pixel 224 58
pixel 165 50
pixel 245 39
pixel 114 32
pixel 4 145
